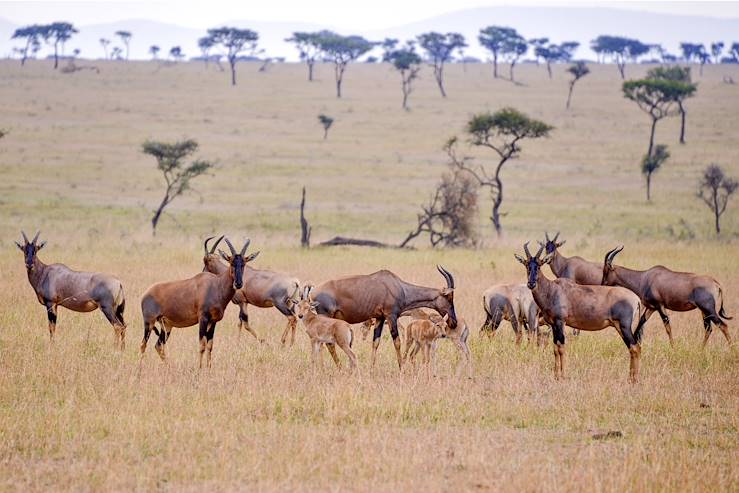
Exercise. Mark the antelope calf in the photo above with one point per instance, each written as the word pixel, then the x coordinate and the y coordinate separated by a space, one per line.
pixel 201 299
pixel 661 289
pixel 262 288
pixel 326 330
pixel 58 285
pixel 590 308
pixel 422 334
pixel 512 302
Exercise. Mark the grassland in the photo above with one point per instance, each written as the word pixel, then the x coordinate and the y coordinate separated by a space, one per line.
pixel 78 415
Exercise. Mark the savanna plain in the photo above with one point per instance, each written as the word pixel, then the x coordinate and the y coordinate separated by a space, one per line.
pixel 77 414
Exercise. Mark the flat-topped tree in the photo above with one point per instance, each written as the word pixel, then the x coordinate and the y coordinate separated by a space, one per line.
pixel 502 132
pixel 578 71
pixel 126 39
pixel 493 39
pixel 695 52
pixel 514 47
pixel 154 51
pixel 342 50
pixel 58 33
pixel 234 41
pixel 716 49
pixel 177 174
pixel 32 34
pixel 679 74
pixel 734 52
pixel 656 97
pixel 308 45
pixel 388 46
pixel 407 62
pixel 619 49
pixel 715 189
pixel 104 42
pixel 175 53
pixel 439 50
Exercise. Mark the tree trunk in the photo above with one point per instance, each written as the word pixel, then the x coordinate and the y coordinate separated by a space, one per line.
pixel 716 212
pixel 549 69
pixel 325 133
pixel 569 95
pixel 339 76
pixel 232 62
pixel 157 214
pixel 405 97
pixel 649 185
pixel 682 122
pixel 651 137
pixel 310 71
pixel 513 64
pixel 439 75
pixel 56 56
pixel 305 229
pixel 495 65
pixel 497 200
pixel 621 69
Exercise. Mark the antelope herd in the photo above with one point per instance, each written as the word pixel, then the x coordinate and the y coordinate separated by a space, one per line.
pixel 584 295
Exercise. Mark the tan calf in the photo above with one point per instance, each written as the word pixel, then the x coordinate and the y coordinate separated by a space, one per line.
pixel 422 335
pixel 326 330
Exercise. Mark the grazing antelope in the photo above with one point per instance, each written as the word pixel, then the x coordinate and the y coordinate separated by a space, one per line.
pixel 200 299
pixel 58 285
pixel 661 289
pixel 591 308
pixel 422 334
pixel 262 288
pixel 326 330
pixel 576 268
pixel 383 296
pixel 512 302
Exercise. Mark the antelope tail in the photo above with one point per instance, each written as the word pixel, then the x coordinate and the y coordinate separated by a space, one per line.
pixel 351 336
pixel 721 311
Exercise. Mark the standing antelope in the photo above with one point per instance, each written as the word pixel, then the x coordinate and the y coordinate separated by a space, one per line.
pixel 512 302
pixel 591 308
pixel 200 299
pixel 326 330
pixel 661 289
pixel 262 288
pixel 457 335
pixel 383 296
pixel 422 334
pixel 57 284
pixel 576 268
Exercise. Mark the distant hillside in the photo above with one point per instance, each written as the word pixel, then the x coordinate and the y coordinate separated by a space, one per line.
pixel 558 23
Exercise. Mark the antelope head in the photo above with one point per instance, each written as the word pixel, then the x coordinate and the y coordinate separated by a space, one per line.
pixel 440 325
pixel 551 245
pixel 304 306
pixel 444 303
pixel 533 263
pixel 609 276
pixel 210 257
pixel 237 261
pixel 30 249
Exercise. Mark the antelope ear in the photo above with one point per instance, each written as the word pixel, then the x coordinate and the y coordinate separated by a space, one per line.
pixel 20 247
pixel 251 257
pixel 546 259
pixel 561 243
pixel 519 258
pixel 224 256
pixel 39 247
pixel 313 306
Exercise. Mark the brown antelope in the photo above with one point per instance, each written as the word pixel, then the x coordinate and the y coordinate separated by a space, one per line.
pixel 512 302
pixel 576 268
pixel 422 334
pixel 661 289
pixel 383 296
pixel 590 308
pixel 58 285
pixel 457 335
pixel 201 299
pixel 326 330
pixel 262 288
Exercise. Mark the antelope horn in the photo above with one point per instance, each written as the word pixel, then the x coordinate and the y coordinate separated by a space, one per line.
pixel 447 276
pixel 526 249
pixel 36 237
pixel 541 247
pixel 25 238
pixel 246 245
pixel 233 250
pixel 556 236
pixel 213 248
pixel 615 252
pixel 205 245
pixel 608 255
pixel 546 235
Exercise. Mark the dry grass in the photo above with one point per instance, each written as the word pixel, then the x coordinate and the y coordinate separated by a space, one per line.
pixel 77 415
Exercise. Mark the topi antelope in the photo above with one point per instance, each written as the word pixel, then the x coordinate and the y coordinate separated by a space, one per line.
pixel 661 289
pixel 590 308
pixel 512 302
pixel 262 288
pixel 326 330
pixel 383 296
pixel 58 285
pixel 201 299
pixel 422 334
pixel 576 268
pixel 457 335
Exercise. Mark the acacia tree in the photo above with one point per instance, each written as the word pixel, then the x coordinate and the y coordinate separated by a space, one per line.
pixel 117 53
pixel 537 43
pixel 205 44
pixel 578 71
pixel 734 52
pixel 104 43
pixel 32 35
pixel 154 51
pixel 695 52
pixel 652 163
pixel 657 98
pixel 177 174
pixel 175 53
pixel 514 47
pixel 716 49
pixel 58 33
pixel 439 50
pixel 308 45
pixel 234 41
pixel 715 189
pixel 126 39
pixel 619 49
pixel 388 47
pixel 407 62
pixel 342 50
pixel 493 39
pixel 501 132
pixel 679 74
pixel 326 122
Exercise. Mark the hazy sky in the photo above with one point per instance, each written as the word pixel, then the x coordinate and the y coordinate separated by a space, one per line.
pixel 375 14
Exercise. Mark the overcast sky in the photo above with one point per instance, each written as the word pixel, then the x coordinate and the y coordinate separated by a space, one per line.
pixel 374 14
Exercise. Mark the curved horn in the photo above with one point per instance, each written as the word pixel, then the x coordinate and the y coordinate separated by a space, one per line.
pixel 233 250
pixel 447 276
pixel 526 249
pixel 36 237
pixel 246 245
pixel 608 255
pixel 615 252
pixel 25 238
pixel 556 236
pixel 205 245
pixel 213 248
pixel 541 247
